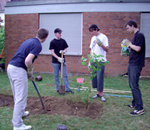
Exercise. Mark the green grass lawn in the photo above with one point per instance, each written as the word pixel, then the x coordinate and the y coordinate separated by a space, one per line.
pixel 115 115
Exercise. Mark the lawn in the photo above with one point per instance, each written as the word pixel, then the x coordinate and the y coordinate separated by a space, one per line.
pixel 115 114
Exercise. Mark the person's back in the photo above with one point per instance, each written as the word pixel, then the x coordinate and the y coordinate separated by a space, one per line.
pixel 32 45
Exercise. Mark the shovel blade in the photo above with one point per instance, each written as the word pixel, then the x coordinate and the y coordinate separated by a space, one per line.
pixel 61 90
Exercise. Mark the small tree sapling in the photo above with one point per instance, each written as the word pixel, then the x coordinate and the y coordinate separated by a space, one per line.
pixel 95 65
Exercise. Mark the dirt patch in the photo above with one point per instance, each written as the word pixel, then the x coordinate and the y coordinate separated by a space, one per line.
pixel 56 106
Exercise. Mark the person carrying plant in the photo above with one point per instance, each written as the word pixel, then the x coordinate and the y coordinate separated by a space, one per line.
pixel 136 63
pixel 99 46
pixel 19 70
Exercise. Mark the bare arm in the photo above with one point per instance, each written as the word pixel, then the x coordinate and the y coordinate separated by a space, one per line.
pixel 136 48
pixel 28 60
pixel 106 48
pixel 53 53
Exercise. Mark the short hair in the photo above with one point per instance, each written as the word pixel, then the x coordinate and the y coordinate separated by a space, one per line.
pixel 131 22
pixel 42 33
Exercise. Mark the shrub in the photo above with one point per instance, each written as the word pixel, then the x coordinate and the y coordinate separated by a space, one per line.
pixel 92 59
pixel 2 42
pixel 2 38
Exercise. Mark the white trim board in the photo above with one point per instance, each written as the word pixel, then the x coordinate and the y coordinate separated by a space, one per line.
pixel 78 7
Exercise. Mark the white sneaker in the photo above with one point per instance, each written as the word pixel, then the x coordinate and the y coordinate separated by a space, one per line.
pixel 103 99
pixel 26 113
pixel 23 127
pixel 97 95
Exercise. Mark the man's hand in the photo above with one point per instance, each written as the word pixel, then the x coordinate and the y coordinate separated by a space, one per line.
pixel 30 74
pixel 125 43
pixel 62 51
pixel 99 42
pixel 61 60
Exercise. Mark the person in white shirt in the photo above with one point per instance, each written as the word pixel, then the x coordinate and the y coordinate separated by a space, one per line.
pixel 99 46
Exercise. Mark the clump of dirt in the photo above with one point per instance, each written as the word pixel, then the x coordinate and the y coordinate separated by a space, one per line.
pixel 56 106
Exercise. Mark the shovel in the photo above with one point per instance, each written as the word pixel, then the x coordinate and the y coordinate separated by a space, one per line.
pixel 38 94
pixel 61 87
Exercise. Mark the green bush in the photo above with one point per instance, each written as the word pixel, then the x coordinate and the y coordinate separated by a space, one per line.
pixel 2 42
pixel 92 59
pixel 2 38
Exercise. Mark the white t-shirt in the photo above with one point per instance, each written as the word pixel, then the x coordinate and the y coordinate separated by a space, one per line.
pixel 96 48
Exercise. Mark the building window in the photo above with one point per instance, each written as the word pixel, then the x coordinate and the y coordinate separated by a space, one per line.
pixel 70 24
pixel 145 28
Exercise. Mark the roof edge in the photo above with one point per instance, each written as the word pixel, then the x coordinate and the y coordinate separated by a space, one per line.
pixel 36 2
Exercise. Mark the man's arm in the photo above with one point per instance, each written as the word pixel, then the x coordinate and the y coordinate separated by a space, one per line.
pixel 106 48
pixel 28 60
pixel 136 48
pixel 61 60
pixel 28 63
pixel 127 43
pixel 53 53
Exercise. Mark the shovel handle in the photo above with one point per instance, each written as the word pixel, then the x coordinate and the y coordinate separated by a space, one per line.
pixel 61 66
pixel 38 94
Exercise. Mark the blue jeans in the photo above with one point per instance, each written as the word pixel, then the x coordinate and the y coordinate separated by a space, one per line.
pixel 98 80
pixel 133 75
pixel 56 68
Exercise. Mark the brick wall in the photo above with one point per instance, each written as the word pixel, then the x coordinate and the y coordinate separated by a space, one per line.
pixel 18 28
pixel 24 26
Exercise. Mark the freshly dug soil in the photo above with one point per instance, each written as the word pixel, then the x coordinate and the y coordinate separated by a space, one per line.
pixel 55 105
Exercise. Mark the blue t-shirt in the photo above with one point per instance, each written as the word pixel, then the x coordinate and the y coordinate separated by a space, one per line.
pixel 33 46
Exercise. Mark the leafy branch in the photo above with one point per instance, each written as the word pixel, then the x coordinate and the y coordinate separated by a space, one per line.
pixel 93 60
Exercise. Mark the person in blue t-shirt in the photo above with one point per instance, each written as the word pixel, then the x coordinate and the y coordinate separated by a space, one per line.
pixel 136 63
pixel 19 70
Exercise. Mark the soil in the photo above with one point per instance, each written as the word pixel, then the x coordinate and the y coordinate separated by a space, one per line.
pixel 55 105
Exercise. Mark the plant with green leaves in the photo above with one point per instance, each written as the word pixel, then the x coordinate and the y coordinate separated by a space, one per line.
pixel 94 67
pixel 2 38
pixel 2 42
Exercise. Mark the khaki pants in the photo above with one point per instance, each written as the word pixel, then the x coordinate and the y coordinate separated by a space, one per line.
pixel 19 84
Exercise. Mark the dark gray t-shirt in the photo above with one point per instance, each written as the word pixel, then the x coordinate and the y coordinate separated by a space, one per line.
pixel 138 58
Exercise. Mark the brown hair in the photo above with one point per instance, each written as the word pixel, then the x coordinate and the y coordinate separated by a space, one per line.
pixel 42 33
pixel 131 22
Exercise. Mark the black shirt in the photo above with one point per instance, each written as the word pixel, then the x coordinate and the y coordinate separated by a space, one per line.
pixel 58 45
pixel 138 58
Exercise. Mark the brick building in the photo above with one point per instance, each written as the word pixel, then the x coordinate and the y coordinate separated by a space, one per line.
pixel 23 18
